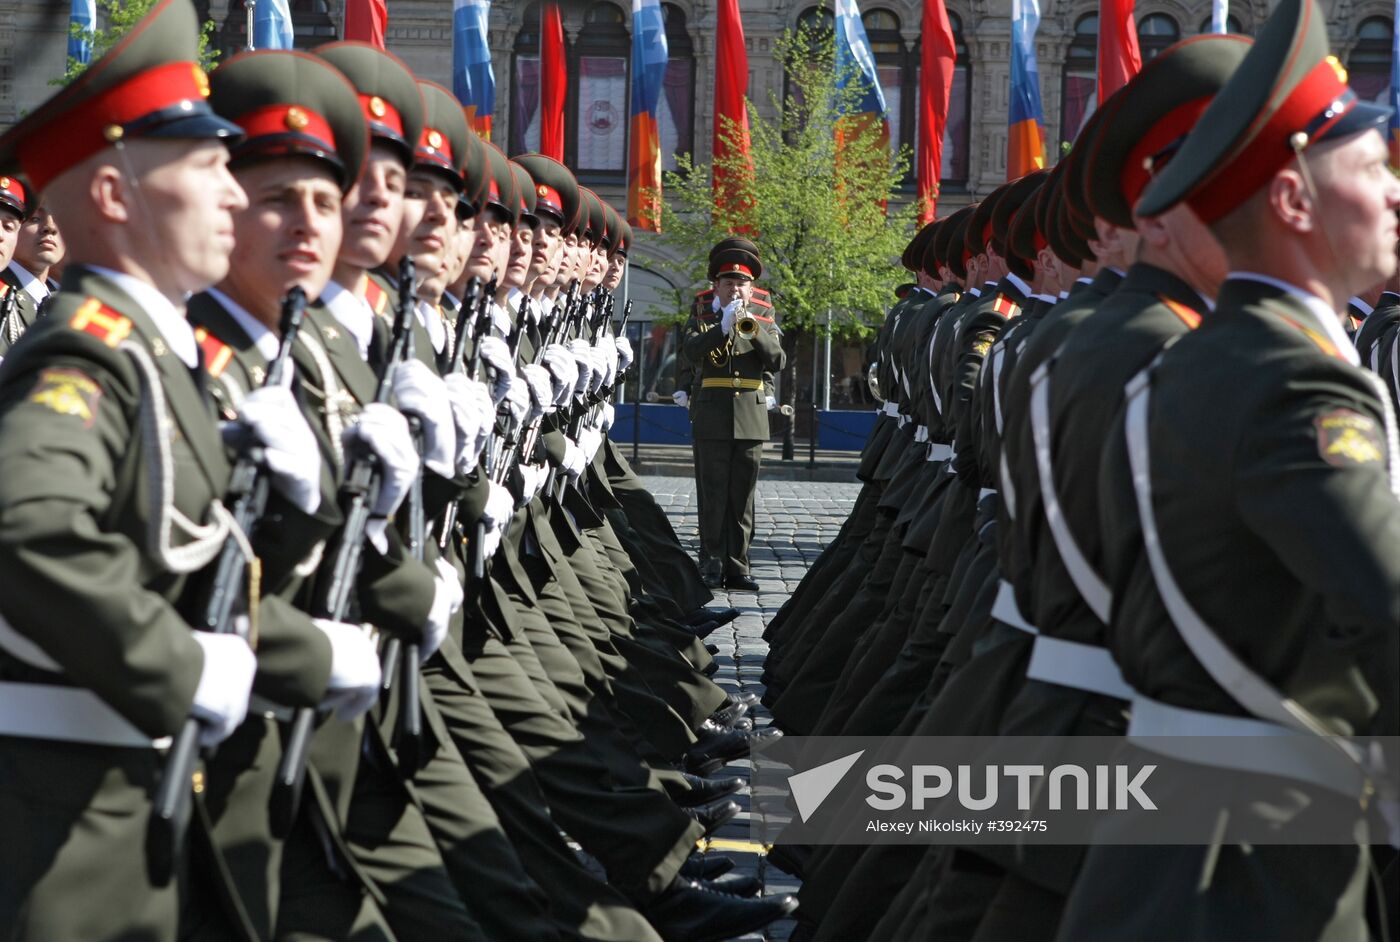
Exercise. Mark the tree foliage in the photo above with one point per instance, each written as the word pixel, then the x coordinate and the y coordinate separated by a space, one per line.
pixel 120 16
pixel 821 212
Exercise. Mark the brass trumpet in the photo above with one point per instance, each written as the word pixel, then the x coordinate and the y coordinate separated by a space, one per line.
pixel 745 325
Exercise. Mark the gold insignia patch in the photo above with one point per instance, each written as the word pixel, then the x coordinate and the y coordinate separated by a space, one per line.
pixel 982 344
pixel 1346 438
pixel 68 392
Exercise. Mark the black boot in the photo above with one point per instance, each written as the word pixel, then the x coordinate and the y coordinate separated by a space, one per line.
pixel 715 747
pixel 705 790
pixel 688 912
pixel 715 815
pixel 700 866
pixel 735 884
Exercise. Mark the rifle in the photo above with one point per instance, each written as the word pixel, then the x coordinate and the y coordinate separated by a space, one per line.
pixel 9 307
pixel 334 593
pixel 248 490
pixel 410 719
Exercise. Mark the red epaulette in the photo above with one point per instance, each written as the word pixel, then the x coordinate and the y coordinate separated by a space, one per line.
pixel 1006 306
pixel 217 354
pixel 377 297
pixel 704 291
pixel 95 318
pixel 4 288
pixel 1191 318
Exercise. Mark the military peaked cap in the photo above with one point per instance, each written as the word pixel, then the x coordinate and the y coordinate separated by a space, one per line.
pixel 387 90
pixel 556 190
pixel 445 144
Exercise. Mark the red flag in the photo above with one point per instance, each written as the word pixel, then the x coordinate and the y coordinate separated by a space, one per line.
pixel 731 88
pixel 554 80
pixel 940 55
pixel 366 20
pixel 1119 56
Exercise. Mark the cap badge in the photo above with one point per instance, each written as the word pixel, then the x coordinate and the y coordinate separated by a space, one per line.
pixel 376 106
pixel 434 140
pixel 4 183
pixel 296 119
pixel 541 190
pixel 1337 67
pixel 201 81
pixel 113 133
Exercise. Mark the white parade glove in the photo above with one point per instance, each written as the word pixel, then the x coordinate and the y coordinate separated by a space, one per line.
pixel 563 371
pixel 600 369
pixel 500 505
pixel 581 350
pixel 383 430
pixel 532 478
pixel 421 392
pixel 518 402
pixel 772 403
pixel 289 447
pixel 474 414
pixel 625 356
pixel 726 321
pixel 574 460
pixel 495 353
pixel 590 440
pixel 355 674
pixel 609 351
pixel 681 398
pixel 447 598
pixel 541 391
pixel 606 419
pixel 221 697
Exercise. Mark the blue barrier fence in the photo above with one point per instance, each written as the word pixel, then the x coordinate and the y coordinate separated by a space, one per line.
pixel 665 424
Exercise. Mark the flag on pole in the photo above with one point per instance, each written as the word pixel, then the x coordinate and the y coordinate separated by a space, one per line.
pixel 939 57
pixel 473 82
pixel 1394 134
pixel 855 68
pixel 366 21
pixel 649 58
pixel 731 90
pixel 82 23
pixel 554 81
pixel 1119 56
pixel 1220 16
pixel 1025 142
pixel 272 25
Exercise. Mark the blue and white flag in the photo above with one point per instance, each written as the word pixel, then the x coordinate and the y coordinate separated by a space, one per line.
pixel 82 24
pixel 1220 16
pixel 272 25
pixel 855 62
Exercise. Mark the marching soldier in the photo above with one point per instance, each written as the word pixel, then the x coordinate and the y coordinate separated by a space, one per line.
pixel 36 248
pixel 732 350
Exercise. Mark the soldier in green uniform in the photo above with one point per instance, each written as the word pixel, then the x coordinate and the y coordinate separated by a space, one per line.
pixel 14 206
pixel 1258 440
pixel 36 247
pixel 731 347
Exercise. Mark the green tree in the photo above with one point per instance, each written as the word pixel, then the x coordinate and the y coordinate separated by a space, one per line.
pixel 819 202
pixel 120 16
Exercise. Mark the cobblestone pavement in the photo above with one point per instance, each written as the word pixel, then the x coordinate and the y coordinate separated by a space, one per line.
pixel 793 521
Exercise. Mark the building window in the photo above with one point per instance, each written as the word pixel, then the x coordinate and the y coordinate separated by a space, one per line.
pixel 1080 87
pixel 599 116
pixel 1369 63
pixel 677 106
pixel 1155 33
pixel 1232 24
pixel 525 85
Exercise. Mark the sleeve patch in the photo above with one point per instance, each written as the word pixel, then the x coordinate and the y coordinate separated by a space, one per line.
pixel 68 392
pixel 1346 438
pixel 982 343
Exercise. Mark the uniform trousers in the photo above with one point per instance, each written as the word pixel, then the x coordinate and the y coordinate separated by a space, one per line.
pixel 728 475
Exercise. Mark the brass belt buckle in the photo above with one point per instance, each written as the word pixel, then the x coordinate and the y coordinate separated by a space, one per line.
pixel 738 382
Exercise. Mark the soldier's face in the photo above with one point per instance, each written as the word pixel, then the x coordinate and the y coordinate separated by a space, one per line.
pixel 1358 197
pixel 9 232
pixel 490 244
pixel 373 210
pixel 39 245
pixel 729 287
pixel 522 249
pixel 429 213
pixel 545 254
pixel 289 234
pixel 616 265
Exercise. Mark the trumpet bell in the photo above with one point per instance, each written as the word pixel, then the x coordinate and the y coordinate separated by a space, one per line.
pixel 746 327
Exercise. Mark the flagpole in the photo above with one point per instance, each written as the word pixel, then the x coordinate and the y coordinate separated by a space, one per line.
pixel 251 5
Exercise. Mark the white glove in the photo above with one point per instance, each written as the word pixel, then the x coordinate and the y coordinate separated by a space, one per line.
pixel 600 369
pixel 221 698
pixel 541 390
pixel 384 431
pixel 589 441
pixel 474 414
pixel 624 353
pixel 271 413
pixel 563 370
pixel 681 398
pixel 582 356
pixel 532 478
pixel 574 460
pixel 447 598
pixel 726 321
pixel 355 675
pixel 421 392
pixel 518 402
pixel 495 353
pixel 772 403
pixel 500 506
pixel 608 417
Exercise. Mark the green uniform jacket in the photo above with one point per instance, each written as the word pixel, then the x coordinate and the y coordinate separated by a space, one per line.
pixel 730 399
pixel 26 310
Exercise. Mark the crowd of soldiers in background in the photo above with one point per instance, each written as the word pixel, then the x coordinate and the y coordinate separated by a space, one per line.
pixel 1041 550
pixel 328 378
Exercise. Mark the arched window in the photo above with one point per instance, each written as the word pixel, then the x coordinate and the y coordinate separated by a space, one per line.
pixel 1156 32
pixel 677 106
pixel 1079 89
pixel 525 85
pixel 599 116
pixel 895 70
pixel 1232 24
pixel 818 20
pixel 1369 63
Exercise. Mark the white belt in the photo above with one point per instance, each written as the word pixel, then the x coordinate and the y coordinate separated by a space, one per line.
pixel 903 420
pixel 986 491
pixel 939 452
pixel 1006 610
pixel 67 714
pixel 1243 744
pixel 1081 666
pixel 890 409
pixel 921 434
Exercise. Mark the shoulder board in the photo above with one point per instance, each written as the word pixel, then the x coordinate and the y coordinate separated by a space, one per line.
pixel 761 302
pixel 377 297
pixel 760 292
pixel 1316 336
pixel 1004 305
pixel 760 317
pixel 217 354
pixel 1189 317
pixel 95 318
pixel 4 288
pixel 703 292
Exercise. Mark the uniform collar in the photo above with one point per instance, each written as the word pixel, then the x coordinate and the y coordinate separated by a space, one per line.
pixel 431 319
pixel 264 339
pixel 1019 283
pixel 1326 318
pixel 169 319
pixel 32 286
pixel 1360 305
pixel 352 312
